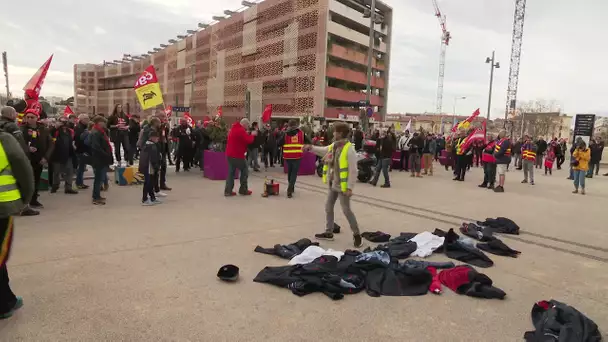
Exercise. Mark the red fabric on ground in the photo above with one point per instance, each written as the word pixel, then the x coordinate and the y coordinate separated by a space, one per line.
pixel 455 277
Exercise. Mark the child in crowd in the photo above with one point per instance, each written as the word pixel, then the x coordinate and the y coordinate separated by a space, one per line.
pixel 149 166
pixel 549 159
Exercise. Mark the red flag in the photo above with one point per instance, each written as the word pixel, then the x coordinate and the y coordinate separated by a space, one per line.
pixel 267 114
pixel 466 123
pixel 67 111
pixel 219 111
pixel 147 77
pixel 476 134
pixel 168 111
pixel 188 118
pixel 34 85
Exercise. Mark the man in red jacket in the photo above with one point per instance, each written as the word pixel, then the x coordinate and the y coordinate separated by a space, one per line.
pixel 236 146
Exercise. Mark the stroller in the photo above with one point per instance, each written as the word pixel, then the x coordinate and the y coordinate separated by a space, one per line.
pixel 366 161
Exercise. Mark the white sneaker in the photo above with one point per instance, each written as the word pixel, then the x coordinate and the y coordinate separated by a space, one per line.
pixel 147 203
pixel 157 201
pixel 161 194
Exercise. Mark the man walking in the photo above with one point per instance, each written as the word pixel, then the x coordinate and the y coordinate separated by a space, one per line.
pixel 61 157
pixel 16 189
pixel 528 155
pixel 39 142
pixel 385 153
pixel 236 146
pixel 502 154
pixel 294 139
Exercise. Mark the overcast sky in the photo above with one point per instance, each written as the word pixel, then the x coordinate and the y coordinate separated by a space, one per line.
pixel 564 53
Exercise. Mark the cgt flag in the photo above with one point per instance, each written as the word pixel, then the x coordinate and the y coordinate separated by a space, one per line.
pixel 219 111
pixel 67 111
pixel 148 90
pixel 267 114
pixel 188 118
pixel 466 123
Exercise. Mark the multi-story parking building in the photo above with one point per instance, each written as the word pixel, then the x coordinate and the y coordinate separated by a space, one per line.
pixel 304 57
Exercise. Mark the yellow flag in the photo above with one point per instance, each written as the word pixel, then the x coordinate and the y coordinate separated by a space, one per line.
pixel 148 89
pixel 398 126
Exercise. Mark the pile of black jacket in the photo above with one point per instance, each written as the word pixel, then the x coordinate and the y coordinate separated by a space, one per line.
pixel 556 322
pixel 375 271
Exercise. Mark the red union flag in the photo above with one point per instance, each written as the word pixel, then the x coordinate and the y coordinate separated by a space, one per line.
pixel 148 89
pixel 35 83
pixel 188 118
pixel 466 123
pixel 67 111
pixel 267 114
pixel 219 111
pixel 168 111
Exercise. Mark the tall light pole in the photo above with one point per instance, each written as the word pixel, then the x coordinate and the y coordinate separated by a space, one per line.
pixel 373 19
pixel 456 98
pixel 493 65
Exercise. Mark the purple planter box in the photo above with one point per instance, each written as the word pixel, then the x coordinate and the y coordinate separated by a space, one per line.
pixel 308 165
pixel 216 166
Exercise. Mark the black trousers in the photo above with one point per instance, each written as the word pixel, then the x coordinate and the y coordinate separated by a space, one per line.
pixel 160 180
pixel 268 155
pixel 37 167
pixel 183 155
pixel 149 181
pixel 404 160
pixel 560 161
pixel 489 173
pixel 461 166
pixel 293 166
pixel 122 139
pixel 7 297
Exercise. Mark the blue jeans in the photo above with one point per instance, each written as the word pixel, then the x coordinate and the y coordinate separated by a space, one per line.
pixel 98 173
pixel 579 179
pixel 104 176
pixel 80 170
pixel 233 165
pixel 382 165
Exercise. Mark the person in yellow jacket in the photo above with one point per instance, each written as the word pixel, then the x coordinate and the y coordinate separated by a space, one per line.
pixel 16 190
pixel 340 174
pixel 580 165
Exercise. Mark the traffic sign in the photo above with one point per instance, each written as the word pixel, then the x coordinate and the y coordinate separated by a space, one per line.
pixel 370 112
pixel 180 109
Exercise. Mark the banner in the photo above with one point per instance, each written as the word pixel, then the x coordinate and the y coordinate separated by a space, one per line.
pixel 409 126
pixel 35 83
pixel 466 123
pixel 67 111
pixel 267 114
pixel 475 135
pixel 148 89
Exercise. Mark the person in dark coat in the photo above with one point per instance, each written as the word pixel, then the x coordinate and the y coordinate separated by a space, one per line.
pixel 149 166
pixel 386 146
pixel 82 150
pixel 134 129
pixel 39 144
pixel 118 122
pixel 101 156
pixel 185 144
pixel 61 157
pixel 596 156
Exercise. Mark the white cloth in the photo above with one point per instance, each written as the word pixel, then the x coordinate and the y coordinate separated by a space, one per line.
pixel 426 243
pixel 313 252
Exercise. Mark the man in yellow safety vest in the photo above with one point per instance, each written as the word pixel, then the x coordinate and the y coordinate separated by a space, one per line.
pixel 16 190
pixel 340 174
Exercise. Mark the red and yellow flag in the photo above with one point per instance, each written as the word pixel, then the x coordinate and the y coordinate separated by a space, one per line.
pixel 466 123
pixel 148 89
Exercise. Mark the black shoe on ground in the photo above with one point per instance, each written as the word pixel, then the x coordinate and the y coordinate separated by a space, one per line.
pixel 36 205
pixel 71 192
pixel 483 185
pixel 385 186
pixel 289 194
pixel 357 241
pixel 524 181
pixel 372 183
pixel 54 190
pixel 325 236
pixel 100 201
pixel 456 179
pixel 30 212
pixel 491 186
pixel 499 189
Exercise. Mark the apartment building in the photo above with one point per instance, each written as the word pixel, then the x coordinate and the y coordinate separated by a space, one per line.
pixel 304 57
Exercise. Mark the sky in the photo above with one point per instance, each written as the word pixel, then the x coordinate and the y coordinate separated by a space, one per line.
pixel 564 51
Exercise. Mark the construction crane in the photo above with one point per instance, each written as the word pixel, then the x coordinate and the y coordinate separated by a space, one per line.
pixel 518 33
pixel 445 41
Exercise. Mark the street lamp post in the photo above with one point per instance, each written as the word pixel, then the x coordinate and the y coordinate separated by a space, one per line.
pixel 493 65
pixel 456 98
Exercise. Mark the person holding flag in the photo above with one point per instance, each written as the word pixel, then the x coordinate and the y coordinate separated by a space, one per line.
pixel 489 164
pixel 461 156
pixel 32 94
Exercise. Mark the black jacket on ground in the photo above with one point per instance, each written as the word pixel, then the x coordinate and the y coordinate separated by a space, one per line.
pixel 101 151
pixel 287 251
pixel 557 322
pixel 501 225
pixel 458 250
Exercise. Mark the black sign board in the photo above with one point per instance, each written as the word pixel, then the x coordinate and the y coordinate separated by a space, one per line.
pixel 583 125
pixel 180 109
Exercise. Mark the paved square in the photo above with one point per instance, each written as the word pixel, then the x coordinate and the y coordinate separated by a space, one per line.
pixel 123 272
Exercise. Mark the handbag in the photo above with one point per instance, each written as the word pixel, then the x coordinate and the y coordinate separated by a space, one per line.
pixel 574 163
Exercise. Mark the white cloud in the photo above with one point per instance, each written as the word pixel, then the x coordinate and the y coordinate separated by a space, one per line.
pixel 99 30
pixel 61 49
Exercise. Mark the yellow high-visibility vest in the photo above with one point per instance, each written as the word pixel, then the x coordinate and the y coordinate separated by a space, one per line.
pixel 342 166
pixel 459 150
pixel 9 192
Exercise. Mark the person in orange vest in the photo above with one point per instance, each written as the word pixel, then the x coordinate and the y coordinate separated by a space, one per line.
pixel 489 164
pixel 528 156
pixel 293 141
pixel 502 153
